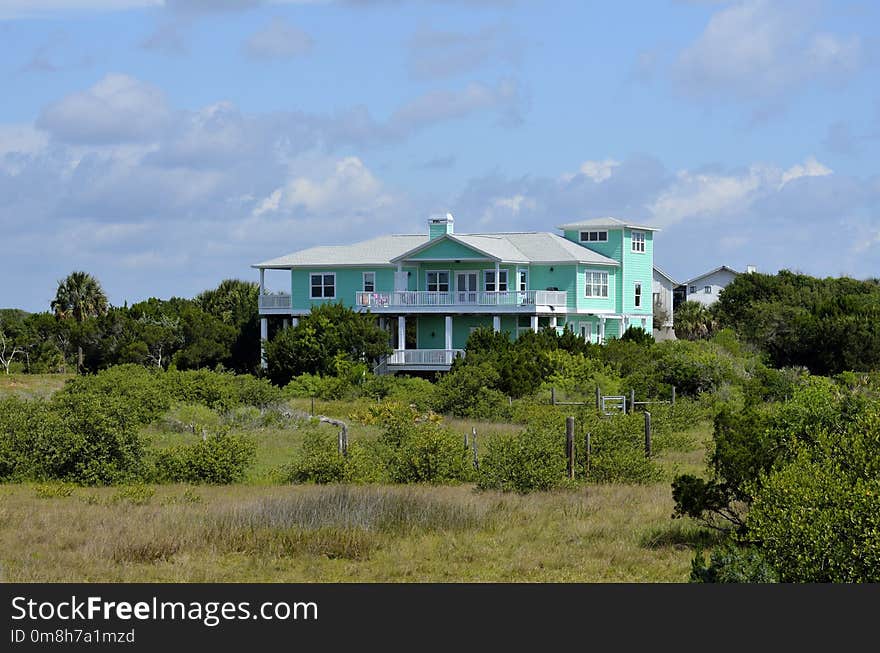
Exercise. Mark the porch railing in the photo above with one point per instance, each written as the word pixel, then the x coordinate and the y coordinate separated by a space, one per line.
pixel 280 301
pixel 421 298
pixel 423 356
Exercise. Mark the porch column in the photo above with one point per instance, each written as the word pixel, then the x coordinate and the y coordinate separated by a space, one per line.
pixel 497 276
pixel 262 280
pixel 285 322
pixel 264 336
pixel 601 330
pixel 553 321
pixel 448 332
pixel 401 332
pixel 496 323
pixel 535 323
pixel 294 322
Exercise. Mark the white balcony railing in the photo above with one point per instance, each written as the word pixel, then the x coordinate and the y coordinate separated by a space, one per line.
pixel 423 298
pixel 275 302
pixel 423 356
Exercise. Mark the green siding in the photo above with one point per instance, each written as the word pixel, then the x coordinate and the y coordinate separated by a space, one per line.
pixel 477 266
pixel 445 248
pixel 597 303
pixel 461 327
pixel 611 249
pixel 348 282
pixel 428 325
pixel 638 267
pixel 563 277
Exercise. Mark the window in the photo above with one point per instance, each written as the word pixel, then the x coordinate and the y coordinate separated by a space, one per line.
pixel 638 241
pixel 369 281
pixel 523 280
pixel 707 290
pixel 637 297
pixel 594 236
pixel 596 284
pixel 323 285
pixel 692 290
pixel 490 280
pixel 438 281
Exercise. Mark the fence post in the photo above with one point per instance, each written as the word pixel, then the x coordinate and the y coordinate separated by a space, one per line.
pixel 474 443
pixel 673 395
pixel 343 439
pixel 598 398
pixel 313 407
pixel 552 396
pixel 632 401
pixel 647 434
pixel 588 449
pixel 569 445
pixel 467 442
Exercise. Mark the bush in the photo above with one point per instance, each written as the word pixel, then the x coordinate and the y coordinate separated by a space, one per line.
pixel 319 460
pixel 218 459
pixel 525 462
pixel 426 453
pixel 732 564
pixel 469 391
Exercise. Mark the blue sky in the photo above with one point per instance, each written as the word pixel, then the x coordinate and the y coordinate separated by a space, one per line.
pixel 164 145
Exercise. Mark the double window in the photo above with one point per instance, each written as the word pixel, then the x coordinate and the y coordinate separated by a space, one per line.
pixel 638 241
pixel 522 280
pixel 323 285
pixel 707 290
pixel 596 284
pixel 438 281
pixel 594 236
pixel 490 280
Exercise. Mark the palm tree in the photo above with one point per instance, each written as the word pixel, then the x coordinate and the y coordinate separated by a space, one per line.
pixel 80 297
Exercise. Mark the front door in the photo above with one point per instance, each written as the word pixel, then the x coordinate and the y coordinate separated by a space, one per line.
pixel 466 287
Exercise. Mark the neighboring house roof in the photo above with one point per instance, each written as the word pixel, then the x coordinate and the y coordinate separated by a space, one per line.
pixel 536 247
pixel 604 223
pixel 710 272
pixel 666 276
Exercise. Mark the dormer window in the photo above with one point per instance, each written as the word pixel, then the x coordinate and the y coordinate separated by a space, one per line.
pixel 594 236
pixel 638 241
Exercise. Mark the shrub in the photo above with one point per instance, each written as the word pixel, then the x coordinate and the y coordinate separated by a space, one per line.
pixel 427 453
pixel 469 391
pixel 732 564
pixel 218 459
pixel 319 460
pixel 525 462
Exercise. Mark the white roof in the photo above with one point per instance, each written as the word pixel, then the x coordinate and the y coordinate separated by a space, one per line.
pixel 376 251
pixel 706 274
pixel 604 223
pixel 663 274
pixel 535 247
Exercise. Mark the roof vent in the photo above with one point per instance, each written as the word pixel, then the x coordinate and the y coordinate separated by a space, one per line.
pixel 751 269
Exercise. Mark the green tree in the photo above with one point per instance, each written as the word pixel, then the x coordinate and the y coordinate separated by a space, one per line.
pixel 313 346
pixel 79 297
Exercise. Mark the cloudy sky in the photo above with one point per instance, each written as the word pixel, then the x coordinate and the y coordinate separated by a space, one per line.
pixel 164 145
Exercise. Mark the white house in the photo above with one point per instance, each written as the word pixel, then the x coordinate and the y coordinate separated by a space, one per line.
pixel 662 289
pixel 706 287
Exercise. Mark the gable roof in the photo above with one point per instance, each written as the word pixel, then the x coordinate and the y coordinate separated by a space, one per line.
pixel 710 272
pixel 531 247
pixel 604 223
pixel 666 276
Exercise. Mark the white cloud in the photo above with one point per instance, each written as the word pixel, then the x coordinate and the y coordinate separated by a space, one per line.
pixel 598 171
pixel 809 168
pixel 278 40
pixel 118 108
pixel 348 187
pixel 758 50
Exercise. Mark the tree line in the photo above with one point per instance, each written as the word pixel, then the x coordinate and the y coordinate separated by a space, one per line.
pixel 84 332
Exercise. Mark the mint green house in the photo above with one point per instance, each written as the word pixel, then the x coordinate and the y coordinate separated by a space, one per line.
pixel 430 291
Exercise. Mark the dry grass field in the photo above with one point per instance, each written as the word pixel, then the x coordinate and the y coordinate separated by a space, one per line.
pixel 260 532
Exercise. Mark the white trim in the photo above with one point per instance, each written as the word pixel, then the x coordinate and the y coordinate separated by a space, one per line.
pixel 598 233
pixel 589 284
pixel 637 286
pixel 589 336
pixel 500 271
pixel 323 285
pixel 458 291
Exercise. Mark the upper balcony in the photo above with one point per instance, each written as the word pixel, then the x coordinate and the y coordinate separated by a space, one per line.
pixel 276 304
pixel 475 301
